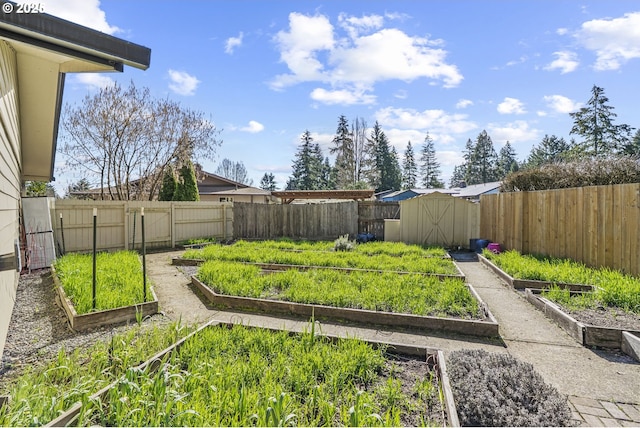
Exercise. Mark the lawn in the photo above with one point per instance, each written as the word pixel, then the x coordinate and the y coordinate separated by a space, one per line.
pixel 611 288
pixel 118 280
pixel 389 292
pixel 397 257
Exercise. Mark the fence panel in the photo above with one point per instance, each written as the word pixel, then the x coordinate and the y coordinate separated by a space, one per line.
pixel 371 216
pixel 298 221
pixel 596 225
pixel 119 223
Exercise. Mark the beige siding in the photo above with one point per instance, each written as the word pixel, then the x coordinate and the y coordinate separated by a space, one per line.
pixel 9 181
pixel 439 219
pixel 119 223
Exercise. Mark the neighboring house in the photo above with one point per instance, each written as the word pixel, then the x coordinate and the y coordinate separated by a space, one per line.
pixel 473 192
pixel 211 187
pixel 401 195
pixel 36 52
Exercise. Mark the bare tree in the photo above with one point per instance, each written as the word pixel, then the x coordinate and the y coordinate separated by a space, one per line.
pixel 360 143
pixel 126 138
pixel 235 171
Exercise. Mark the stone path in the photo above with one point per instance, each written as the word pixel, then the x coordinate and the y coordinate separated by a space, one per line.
pixel 603 386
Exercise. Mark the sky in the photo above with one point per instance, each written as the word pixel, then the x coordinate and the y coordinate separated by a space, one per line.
pixel 266 71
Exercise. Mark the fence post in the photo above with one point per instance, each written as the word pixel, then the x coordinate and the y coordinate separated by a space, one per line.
pixel 144 258
pixel 172 221
pixel 93 282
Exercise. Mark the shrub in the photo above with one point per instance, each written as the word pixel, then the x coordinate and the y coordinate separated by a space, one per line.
pixel 498 390
pixel 343 244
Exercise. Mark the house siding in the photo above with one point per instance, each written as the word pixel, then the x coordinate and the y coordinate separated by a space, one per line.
pixel 10 167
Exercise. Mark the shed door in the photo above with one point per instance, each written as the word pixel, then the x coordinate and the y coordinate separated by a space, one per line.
pixel 437 220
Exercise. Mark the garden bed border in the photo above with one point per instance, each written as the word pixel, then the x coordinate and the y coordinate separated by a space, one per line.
pixel 83 322
pixel 177 261
pixel 482 328
pixel 436 356
pixel 521 284
pixel 585 334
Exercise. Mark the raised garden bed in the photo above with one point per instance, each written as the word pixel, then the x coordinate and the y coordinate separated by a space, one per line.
pixel 583 333
pixel 217 376
pixel 485 325
pixel 119 299
pixel 254 253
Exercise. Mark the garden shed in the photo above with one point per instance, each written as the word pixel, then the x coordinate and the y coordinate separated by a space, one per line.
pixel 435 219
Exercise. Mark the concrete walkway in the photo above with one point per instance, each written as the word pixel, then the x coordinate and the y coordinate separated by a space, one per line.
pixel 603 386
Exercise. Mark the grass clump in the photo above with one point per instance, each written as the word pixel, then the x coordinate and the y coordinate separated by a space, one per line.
pixel 45 390
pixel 387 291
pixel 343 244
pixel 118 280
pixel 499 390
pixel 238 376
pixel 611 287
pixel 266 253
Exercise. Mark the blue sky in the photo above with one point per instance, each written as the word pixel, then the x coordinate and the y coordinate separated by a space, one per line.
pixel 265 71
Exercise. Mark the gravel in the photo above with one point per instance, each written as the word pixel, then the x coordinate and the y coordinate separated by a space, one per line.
pixel 39 327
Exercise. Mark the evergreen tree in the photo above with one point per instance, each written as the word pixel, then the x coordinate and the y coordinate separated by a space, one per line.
pixel 80 186
pixel 385 171
pixel 594 123
pixel 457 177
pixel 409 168
pixel 507 162
pixel 187 188
pixel 307 166
pixel 169 185
pixel 632 148
pixel 343 149
pixel 429 165
pixel 550 150
pixel 483 160
pixel 268 182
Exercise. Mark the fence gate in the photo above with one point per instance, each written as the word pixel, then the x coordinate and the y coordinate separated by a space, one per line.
pixel 437 227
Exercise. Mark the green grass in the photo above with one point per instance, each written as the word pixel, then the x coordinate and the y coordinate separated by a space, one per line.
pixel 388 291
pixel 251 377
pixel 612 288
pixel 272 252
pixel 118 280
pixel 45 390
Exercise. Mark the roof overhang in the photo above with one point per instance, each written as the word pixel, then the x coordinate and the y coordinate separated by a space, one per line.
pixel 289 196
pixel 46 49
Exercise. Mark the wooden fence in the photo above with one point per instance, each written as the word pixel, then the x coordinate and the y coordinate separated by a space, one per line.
pixel 308 221
pixel 119 225
pixel 371 216
pixel 596 225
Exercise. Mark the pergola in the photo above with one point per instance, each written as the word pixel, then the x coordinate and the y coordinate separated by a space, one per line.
pixel 288 196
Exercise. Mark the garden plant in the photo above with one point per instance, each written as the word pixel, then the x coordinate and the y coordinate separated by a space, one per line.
pixel 411 293
pixel 118 280
pixel 493 389
pixel 44 390
pixel 265 252
pixel 611 288
pixel 238 376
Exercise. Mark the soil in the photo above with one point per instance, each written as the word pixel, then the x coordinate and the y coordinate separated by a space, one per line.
pixel 606 317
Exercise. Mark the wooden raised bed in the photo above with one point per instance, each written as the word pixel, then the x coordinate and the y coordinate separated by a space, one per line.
pixel 521 284
pixel 585 334
pixel 177 261
pixel 105 317
pixel 483 328
pixel 434 357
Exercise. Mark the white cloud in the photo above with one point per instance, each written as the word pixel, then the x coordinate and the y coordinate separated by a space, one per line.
pixel 313 51
pixel 464 103
pixel 232 43
pixel 561 104
pixel 253 127
pixel 93 80
pixel 182 83
pixel 614 41
pixel 434 121
pixel 562 31
pixel 511 106
pixel 514 132
pixel 449 157
pixel 342 96
pixel 83 12
pixel 566 62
